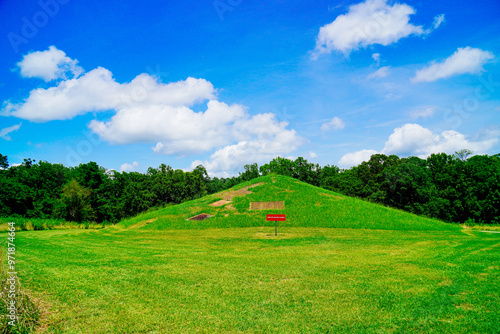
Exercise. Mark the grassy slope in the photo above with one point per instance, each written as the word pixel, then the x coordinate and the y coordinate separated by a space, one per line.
pixel 305 206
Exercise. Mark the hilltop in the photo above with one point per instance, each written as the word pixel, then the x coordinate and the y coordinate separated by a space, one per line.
pixel 304 205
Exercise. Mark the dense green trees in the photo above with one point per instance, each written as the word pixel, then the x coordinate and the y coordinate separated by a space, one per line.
pixel 90 193
pixel 454 188
pixel 74 204
pixel 4 162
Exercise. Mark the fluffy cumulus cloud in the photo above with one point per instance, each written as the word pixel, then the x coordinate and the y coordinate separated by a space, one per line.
pixel 464 60
pixel 355 158
pixel 367 23
pixel 49 65
pixel 180 118
pixel 175 129
pixel 4 133
pixel 415 140
pixel 410 139
pixel 261 138
pixel 334 124
pixel 98 91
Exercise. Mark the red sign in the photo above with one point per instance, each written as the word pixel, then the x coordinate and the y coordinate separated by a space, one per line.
pixel 275 217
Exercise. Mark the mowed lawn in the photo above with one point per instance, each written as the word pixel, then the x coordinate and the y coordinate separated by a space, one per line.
pixel 230 280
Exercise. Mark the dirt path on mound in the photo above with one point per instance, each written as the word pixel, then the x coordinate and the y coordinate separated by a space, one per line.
pixel 228 195
pixel 141 223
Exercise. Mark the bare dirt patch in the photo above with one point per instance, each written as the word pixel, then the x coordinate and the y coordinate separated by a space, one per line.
pixel 263 235
pixel 220 203
pixel 446 282
pixel 229 194
pixel 467 307
pixel 142 223
pixel 266 205
pixel 330 195
pixel 201 216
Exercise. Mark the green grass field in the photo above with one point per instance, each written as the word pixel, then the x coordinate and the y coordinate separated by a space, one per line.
pixel 338 265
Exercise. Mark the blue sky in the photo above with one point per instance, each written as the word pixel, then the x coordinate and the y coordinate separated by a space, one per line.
pixel 228 82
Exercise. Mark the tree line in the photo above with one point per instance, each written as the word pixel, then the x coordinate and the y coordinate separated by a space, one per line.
pixel 454 188
pixel 90 193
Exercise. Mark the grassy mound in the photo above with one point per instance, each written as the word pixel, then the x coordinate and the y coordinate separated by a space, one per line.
pixel 305 206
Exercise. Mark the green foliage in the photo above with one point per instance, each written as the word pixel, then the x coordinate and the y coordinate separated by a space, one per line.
pixel 74 204
pixel 89 193
pixel 299 169
pixel 4 162
pixel 251 172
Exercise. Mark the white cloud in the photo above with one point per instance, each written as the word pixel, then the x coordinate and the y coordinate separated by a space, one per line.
pixel 126 167
pixel 175 129
pixel 181 131
pixel 423 112
pixel 380 73
pixel 410 139
pixel 312 155
pixel 265 143
pixel 367 23
pixel 49 65
pixel 4 133
pixel 438 20
pixel 355 158
pixel 148 111
pixel 415 140
pixel 464 60
pixel 98 91
pixel 264 126
pixel 334 124
pixel 376 57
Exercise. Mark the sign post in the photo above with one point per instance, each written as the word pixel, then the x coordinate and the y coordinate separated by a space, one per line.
pixel 275 218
